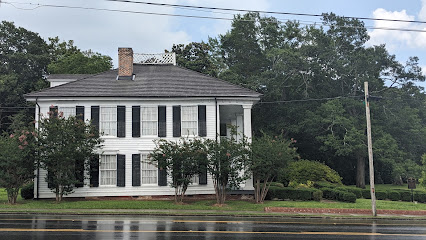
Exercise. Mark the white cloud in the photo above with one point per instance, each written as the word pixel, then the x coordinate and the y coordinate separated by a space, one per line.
pixel 398 39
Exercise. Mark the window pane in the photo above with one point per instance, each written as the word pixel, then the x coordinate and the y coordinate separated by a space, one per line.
pixel 67 111
pixel 109 121
pixel 148 171
pixel 149 120
pixel 108 170
pixel 189 120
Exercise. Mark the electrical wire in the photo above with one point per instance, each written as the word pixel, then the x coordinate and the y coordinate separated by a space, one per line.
pixel 204 17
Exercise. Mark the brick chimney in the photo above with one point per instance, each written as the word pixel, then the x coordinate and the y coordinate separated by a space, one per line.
pixel 125 64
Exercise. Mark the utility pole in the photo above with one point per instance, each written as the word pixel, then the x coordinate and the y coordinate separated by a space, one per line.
pixel 370 150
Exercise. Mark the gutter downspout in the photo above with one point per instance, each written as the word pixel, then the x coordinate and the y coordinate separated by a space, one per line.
pixel 38 160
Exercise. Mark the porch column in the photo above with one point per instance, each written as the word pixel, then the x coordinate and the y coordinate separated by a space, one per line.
pixel 247 132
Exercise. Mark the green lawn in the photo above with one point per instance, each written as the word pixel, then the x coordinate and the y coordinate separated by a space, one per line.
pixel 232 205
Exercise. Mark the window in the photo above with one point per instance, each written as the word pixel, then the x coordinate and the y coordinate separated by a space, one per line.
pixel 108 170
pixel 108 121
pixel 148 171
pixel 189 120
pixel 195 179
pixel 67 111
pixel 149 120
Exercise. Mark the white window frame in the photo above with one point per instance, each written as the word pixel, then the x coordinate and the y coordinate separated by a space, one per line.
pixel 189 119
pixel 148 167
pixel 153 121
pixel 195 180
pixel 67 111
pixel 108 125
pixel 112 169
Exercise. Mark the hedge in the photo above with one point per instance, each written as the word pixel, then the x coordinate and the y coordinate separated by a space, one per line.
pixel 304 194
pixel 394 195
pixel 381 195
pixel 338 194
pixel 366 193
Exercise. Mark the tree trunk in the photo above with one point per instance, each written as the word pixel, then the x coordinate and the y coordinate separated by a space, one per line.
pixel 360 172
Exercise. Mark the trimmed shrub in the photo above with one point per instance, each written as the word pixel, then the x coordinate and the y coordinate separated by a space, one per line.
pixel 394 195
pixel 366 193
pixel 27 191
pixel 277 184
pixel 420 197
pixel 304 170
pixel 317 195
pixel 304 194
pixel 405 195
pixel 381 195
pixel 349 197
pixel 323 184
pixel 354 190
pixel 272 193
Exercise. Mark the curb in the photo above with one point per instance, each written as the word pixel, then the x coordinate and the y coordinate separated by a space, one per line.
pixel 343 211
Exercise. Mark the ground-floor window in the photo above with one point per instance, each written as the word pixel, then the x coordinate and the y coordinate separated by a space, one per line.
pixel 148 171
pixel 108 170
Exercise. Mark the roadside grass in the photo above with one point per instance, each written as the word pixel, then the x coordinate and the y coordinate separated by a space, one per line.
pixel 231 205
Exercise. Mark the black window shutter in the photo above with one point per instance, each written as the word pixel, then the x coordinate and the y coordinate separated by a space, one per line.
pixel 202 177
pixel 53 111
pixel 176 121
pixel 202 128
pixel 162 176
pixel 121 121
pixel 162 132
pixel 121 170
pixel 79 172
pixel 95 116
pixel 94 171
pixel 49 180
pixel 79 112
pixel 136 169
pixel 136 121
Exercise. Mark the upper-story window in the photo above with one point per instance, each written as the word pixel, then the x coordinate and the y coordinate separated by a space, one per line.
pixel 108 121
pixel 189 120
pixel 149 120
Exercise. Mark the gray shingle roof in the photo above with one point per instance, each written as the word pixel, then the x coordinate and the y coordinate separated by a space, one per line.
pixel 150 81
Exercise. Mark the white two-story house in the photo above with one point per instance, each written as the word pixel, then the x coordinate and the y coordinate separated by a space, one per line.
pixel 148 97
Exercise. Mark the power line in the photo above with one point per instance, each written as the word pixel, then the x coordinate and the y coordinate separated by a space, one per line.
pixel 201 17
pixel 267 12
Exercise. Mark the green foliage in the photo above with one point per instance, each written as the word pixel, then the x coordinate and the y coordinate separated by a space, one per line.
pixel 366 193
pixel 338 194
pixel 63 143
pixel 381 195
pixel 317 195
pixel 195 56
pixel 27 191
pixel 228 163
pixel 394 195
pixel 182 159
pixel 276 184
pixel 271 155
pixel 420 197
pixel 405 195
pixel 304 170
pixel 86 62
pixel 17 155
pixel 303 194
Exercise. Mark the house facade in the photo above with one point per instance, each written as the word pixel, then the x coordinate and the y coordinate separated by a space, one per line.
pixel 148 97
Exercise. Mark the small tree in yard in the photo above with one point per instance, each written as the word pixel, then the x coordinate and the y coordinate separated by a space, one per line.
pixel 228 163
pixel 65 144
pixel 182 159
pixel 16 161
pixel 270 156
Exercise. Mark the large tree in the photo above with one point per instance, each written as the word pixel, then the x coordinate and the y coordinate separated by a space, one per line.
pixel 65 147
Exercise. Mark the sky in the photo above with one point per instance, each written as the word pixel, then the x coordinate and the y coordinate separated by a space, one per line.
pixel 105 31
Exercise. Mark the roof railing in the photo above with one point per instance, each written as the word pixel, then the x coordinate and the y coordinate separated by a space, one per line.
pixel 155 59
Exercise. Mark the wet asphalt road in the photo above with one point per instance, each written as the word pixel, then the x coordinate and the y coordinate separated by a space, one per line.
pixel 63 227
